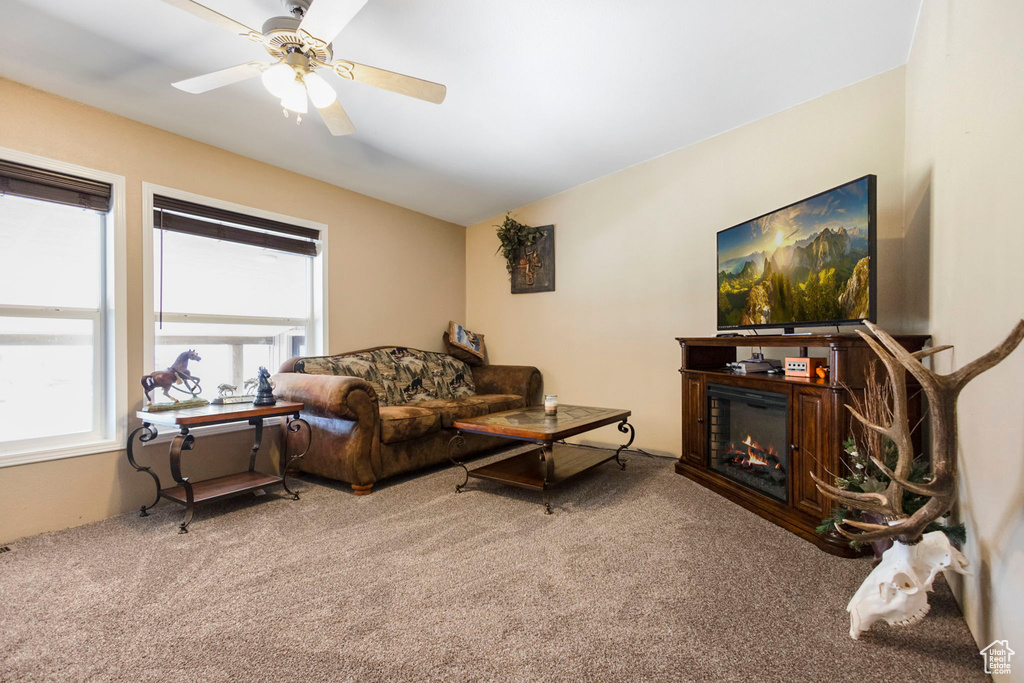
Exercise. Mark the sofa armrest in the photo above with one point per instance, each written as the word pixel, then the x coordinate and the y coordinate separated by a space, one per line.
pixel 521 380
pixel 344 418
pixel 346 398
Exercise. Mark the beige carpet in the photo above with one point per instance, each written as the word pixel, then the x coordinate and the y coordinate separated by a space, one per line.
pixel 639 575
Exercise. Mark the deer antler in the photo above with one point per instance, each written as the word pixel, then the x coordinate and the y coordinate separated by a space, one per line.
pixel 890 503
pixel 942 392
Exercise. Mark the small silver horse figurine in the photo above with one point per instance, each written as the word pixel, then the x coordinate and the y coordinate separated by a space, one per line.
pixel 176 374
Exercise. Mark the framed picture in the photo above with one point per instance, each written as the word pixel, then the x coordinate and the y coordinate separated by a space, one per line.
pixel 535 271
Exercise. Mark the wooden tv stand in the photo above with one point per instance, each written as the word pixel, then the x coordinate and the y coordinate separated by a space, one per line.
pixel 818 422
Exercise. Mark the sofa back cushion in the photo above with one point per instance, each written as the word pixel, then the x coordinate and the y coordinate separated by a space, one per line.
pixel 359 365
pixel 406 374
pixel 398 374
pixel 453 377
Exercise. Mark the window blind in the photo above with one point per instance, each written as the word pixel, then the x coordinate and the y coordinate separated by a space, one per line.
pixel 178 215
pixel 51 186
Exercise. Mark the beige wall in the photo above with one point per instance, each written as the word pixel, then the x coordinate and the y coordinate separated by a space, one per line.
pixel 635 251
pixel 396 276
pixel 965 246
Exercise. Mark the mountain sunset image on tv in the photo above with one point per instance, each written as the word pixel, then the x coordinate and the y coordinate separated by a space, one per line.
pixel 809 263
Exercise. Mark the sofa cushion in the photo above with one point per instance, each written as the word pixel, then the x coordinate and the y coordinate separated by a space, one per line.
pixel 454 409
pixel 362 365
pixel 452 377
pixel 499 402
pixel 405 422
pixel 406 374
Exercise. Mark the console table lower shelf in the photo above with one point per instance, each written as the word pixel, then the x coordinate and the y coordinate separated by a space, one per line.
pixel 223 487
pixel 189 493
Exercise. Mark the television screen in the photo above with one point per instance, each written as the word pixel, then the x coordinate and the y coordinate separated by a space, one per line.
pixel 809 263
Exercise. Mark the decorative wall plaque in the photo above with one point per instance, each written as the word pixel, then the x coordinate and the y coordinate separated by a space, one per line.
pixel 535 271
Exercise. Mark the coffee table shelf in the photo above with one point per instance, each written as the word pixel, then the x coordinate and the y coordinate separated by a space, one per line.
pixel 550 464
pixel 527 470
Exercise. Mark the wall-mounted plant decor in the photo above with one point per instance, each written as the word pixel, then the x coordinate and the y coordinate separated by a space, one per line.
pixel 529 255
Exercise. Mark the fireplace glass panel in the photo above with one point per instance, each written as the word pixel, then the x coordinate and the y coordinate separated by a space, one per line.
pixel 748 438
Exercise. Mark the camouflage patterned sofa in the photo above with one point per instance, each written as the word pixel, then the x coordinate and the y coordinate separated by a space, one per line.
pixel 383 411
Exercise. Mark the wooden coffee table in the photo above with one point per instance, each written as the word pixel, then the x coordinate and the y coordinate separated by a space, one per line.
pixel 552 463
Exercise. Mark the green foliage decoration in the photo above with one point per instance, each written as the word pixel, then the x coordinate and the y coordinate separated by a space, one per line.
pixel 514 236
pixel 865 477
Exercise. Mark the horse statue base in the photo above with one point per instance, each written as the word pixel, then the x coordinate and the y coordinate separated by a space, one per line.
pixel 229 400
pixel 180 405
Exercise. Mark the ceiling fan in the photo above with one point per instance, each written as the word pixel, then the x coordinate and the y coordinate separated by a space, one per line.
pixel 300 44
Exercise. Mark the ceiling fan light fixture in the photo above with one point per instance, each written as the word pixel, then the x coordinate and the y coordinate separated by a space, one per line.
pixel 295 99
pixel 320 91
pixel 278 79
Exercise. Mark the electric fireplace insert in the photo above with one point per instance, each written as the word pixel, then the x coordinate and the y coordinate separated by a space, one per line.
pixel 748 438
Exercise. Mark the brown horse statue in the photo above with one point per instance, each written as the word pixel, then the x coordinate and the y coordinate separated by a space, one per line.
pixel 176 374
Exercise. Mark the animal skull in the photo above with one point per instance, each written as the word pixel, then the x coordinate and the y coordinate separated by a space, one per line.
pixel 897 589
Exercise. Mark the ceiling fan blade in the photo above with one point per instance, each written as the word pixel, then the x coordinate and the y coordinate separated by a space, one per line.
pixel 325 18
pixel 336 119
pixel 389 80
pixel 209 15
pixel 218 79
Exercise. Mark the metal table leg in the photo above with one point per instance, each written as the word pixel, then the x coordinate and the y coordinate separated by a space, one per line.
pixel 257 423
pixel 293 424
pixel 149 433
pixel 547 456
pixel 624 427
pixel 456 443
pixel 180 442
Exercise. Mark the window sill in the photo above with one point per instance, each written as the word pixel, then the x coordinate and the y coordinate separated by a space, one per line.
pixel 45 454
pixel 110 445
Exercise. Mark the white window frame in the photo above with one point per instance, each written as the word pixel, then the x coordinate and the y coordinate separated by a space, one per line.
pixel 111 368
pixel 316 342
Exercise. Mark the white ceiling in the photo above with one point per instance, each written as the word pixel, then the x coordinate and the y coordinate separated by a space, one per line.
pixel 543 95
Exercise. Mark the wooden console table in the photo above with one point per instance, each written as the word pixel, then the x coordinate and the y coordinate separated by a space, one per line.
pixel 189 493
pixel 817 421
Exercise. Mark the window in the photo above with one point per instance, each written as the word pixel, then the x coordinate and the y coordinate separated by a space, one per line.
pixel 60 357
pixel 240 287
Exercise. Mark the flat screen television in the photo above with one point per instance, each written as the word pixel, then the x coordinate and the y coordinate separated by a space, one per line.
pixel 811 263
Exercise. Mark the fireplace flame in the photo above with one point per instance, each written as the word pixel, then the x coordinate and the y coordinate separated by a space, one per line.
pixel 755 455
